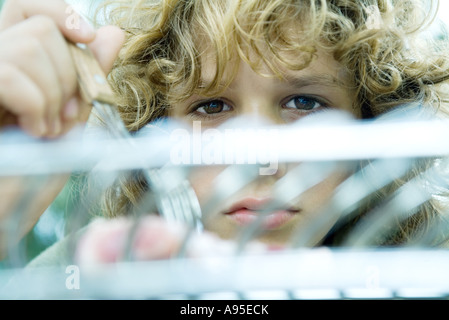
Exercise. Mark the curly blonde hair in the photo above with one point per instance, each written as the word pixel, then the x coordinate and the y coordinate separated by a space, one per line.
pixel 378 42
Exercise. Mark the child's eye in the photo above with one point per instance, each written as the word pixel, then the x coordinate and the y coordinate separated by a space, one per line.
pixel 304 103
pixel 212 107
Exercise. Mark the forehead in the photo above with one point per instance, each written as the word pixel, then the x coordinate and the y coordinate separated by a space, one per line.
pixel 318 67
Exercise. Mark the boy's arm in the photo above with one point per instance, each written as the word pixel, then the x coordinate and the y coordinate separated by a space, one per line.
pixel 38 86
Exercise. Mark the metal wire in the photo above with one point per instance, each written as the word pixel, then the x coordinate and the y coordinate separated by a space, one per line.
pixel 354 270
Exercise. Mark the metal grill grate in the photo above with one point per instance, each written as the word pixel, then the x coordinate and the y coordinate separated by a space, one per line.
pixel 376 153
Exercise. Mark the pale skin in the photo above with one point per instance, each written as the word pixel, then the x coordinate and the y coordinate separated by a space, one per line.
pixel 319 86
pixel 35 59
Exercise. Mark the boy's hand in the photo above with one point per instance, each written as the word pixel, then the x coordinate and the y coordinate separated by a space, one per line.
pixel 107 241
pixel 38 84
pixel 39 90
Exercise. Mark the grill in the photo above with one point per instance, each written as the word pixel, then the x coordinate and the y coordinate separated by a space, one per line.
pixel 406 146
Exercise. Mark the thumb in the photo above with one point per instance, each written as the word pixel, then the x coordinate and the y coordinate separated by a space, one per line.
pixel 106 46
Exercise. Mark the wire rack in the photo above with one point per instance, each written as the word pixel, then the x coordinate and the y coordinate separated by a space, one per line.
pixel 356 270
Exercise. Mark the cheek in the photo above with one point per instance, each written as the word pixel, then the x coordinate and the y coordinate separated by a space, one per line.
pixel 318 196
pixel 202 179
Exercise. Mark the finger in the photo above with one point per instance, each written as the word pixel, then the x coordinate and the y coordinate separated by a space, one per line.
pixel 156 239
pixel 55 45
pixel 44 30
pixel 39 68
pixel 107 45
pixel 106 48
pixel 75 112
pixel 69 22
pixel 105 241
pixel 29 107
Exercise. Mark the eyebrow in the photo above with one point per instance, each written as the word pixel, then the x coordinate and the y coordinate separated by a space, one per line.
pixel 301 81
pixel 319 79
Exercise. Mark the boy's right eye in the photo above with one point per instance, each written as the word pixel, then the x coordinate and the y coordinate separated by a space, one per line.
pixel 212 107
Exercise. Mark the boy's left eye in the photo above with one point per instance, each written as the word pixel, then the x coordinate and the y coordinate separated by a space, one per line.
pixel 304 103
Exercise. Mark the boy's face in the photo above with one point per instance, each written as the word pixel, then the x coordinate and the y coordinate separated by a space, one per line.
pixel 319 86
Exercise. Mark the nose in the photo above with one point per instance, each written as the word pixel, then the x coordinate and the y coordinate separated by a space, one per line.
pixel 261 112
pixel 256 96
pixel 282 169
pixel 265 185
pixel 277 171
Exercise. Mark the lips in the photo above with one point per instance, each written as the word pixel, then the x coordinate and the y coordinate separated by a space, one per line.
pixel 247 211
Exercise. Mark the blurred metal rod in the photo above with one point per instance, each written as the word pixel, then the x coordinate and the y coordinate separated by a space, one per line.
pixel 348 197
pixel 360 140
pixel 401 205
pixel 384 273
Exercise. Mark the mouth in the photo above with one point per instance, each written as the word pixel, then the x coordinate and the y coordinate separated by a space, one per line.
pixel 248 210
